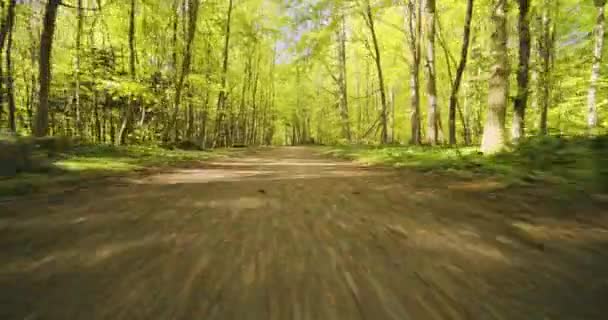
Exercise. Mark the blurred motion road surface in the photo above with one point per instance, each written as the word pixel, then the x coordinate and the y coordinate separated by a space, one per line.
pixel 286 233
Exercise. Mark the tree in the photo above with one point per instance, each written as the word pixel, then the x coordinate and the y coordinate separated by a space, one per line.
pixel 369 21
pixel 9 70
pixel 192 23
pixel 117 74
pixel 521 100
pixel 431 73
pixel 80 18
pixel 460 71
pixel 413 26
pixel 221 99
pixel 7 22
pixel 545 51
pixel 598 33
pixel 46 45
pixel 128 111
pixel 342 84
pixel 494 138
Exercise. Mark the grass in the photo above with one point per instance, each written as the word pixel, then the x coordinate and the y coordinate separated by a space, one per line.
pixel 84 163
pixel 574 163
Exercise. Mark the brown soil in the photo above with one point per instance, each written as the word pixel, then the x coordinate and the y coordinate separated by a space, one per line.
pixel 288 234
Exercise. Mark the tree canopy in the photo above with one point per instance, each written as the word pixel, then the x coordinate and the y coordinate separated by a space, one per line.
pixel 224 72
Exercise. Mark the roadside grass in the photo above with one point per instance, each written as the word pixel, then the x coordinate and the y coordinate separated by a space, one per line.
pixel 88 162
pixel 575 163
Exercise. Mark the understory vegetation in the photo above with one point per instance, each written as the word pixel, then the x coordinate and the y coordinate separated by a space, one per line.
pixel 576 164
pixel 86 163
pixel 474 87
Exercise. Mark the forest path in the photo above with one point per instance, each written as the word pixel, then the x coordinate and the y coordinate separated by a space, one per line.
pixel 286 233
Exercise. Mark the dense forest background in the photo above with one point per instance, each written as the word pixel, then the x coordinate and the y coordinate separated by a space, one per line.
pixel 259 72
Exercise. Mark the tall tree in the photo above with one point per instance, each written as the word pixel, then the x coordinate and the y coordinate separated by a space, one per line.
pixel 193 6
pixel 342 82
pixel 494 134
pixel 221 99
pixel 521 100
pixel 369 20
pixel 80 18
pixel 7 22
pixel 413 25
pixel 545 51
pixel 598 33
pixel 460 71
pixel 46 45
pixel 10 81
pixel 128 111
pixel 431 72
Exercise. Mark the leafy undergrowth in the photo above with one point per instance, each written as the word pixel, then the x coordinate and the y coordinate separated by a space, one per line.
pixel 574 163
pixel 87 162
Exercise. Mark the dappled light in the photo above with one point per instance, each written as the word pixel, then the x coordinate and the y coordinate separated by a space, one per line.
pixel 303 160
pixel 372 242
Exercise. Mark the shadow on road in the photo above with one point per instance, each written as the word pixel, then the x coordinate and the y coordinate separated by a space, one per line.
pixel 287 234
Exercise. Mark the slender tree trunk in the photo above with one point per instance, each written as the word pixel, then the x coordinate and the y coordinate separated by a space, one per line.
pixel 10 80
pixel 128 111
pixel 193 19
pixel 221 99
pixel 346 132
pixel 383 115
pixel 243 129
pixel 413 22
pixel 46 46
pixel 460 71
pixel 592 119
pixel 392 98
pixel 77 71
pixel 493 139
pixel 7 22
pixel 545 50
pixel 254 104
pixel 6 29
pixel 521 100
pixel 431 76
pixel 466 114
pixel 98 132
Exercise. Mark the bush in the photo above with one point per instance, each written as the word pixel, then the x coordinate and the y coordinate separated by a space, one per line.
pixel 29 154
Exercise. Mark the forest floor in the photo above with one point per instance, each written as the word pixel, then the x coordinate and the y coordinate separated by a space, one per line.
pixel 289 233
pixel 88 164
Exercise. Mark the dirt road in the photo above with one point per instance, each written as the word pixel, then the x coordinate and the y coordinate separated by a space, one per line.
pixel 288 234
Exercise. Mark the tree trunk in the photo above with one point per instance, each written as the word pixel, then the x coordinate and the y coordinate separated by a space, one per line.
pixel 10 83
pixel 77 71
pixel 193 19
pixel 431 76
pixel 254 111
pixel 460 71
pixel 346 133
pixel 221 99
pixel 592 119
pixel 7 22
pixel 46 46
pixel 413 22
pixel 6 28
pixel 521 100
pixel 493 139
pixel 392 98
pixel 383 115
pixel 127 112
pixel 545 49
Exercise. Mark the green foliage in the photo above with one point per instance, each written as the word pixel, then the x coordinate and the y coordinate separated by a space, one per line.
pixel 86 162
pixel 576 163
